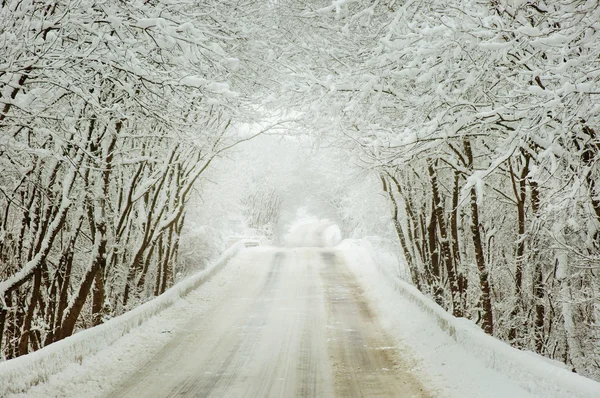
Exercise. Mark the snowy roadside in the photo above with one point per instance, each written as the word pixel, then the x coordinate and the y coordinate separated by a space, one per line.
pixel 97 359
pixel 458 358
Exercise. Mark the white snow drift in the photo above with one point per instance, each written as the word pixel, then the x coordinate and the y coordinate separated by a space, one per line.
pixel 455 349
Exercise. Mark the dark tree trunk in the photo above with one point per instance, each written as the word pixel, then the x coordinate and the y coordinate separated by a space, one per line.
pixel 72 313
pixel 64 269
pixel 134 269
pixel 9 320
pixel 519 188
pixel 26 329
pixel 400 233
pixel 444 242
pixel 413 232
pixel 159 262
pixel 484 282
pixel 3 315
pixel 434 259
pixel 538 279
pixel 142 279
pixel 166 269
pixel 13 332
pixel 455 239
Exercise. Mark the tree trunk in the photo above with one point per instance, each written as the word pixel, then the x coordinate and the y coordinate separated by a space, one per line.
pixel 519 188
pixel 64 270
pixel 142 279
pixel 26 329
pixel 166 269
pixel 9 322
pixel 3 316
pixel 135 267
pixel 538 278
pixel 444 242
pixel 412 232
pixel 72 313
pixel 434 259
pixel 484 282
pixel 98 299
pixel 159 262
pixel 400 233
pixel 455 239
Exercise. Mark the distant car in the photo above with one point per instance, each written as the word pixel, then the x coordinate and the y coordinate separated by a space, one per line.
pixel 251 243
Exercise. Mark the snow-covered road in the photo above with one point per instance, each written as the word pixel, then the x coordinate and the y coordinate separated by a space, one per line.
pixel 293 323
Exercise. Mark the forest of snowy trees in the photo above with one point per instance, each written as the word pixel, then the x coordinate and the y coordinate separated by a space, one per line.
pixel 111 113
pixel 479 120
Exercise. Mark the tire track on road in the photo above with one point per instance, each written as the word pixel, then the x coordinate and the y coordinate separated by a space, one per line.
pixel 220 357
pixel 364 362
pixel 294 324
pixel 205 385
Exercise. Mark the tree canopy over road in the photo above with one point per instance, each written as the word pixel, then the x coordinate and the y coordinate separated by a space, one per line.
pixel 477 120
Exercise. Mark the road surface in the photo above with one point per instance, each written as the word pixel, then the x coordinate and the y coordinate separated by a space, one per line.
pixel 293 324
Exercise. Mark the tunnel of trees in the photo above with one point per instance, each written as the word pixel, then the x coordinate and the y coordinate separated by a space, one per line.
pixel 476 120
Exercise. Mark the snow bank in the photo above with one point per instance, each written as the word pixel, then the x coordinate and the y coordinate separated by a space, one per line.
pixel 19 374
pixel 312 232
pixel 532 372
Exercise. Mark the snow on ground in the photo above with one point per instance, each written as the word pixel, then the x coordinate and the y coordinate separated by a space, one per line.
pixel 312 232
pixel 97 374
pixel 295 325
pixel 451 355
pixel 461 361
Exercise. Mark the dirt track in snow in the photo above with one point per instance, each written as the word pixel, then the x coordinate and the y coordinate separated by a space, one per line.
pixel 294 324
